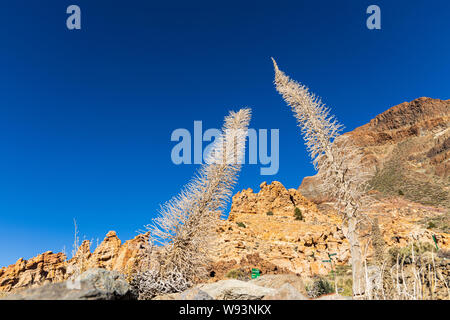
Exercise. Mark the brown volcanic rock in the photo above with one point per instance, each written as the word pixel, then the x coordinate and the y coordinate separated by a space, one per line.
pixel 106 253
pixel 129 255
pixel 44 268
pixel 407 118
pixel 278 243
pixel 53 267
pixel 281 244
pixel 218 270
pixel 272 198
pixel 275 244
pixel 408 149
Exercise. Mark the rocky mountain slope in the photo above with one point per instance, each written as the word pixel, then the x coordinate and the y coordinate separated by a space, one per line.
pixel 263 226
pixel 408 149
pixel 281 230
pixel 261 232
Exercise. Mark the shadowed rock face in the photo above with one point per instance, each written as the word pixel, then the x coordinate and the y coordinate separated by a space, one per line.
pixel 94 284
pixel 408 149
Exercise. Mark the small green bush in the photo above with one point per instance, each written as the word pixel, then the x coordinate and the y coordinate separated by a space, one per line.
pixel 319 287
pixel 400 193
pixel 269 213
pixel 298 214
pixel 238 274
pixel 241 224
pixel 431 225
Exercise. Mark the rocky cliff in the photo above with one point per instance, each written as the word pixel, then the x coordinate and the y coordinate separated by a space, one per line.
pixel 407 148
pixel 50 267
pixel 269 232
pixel 262 232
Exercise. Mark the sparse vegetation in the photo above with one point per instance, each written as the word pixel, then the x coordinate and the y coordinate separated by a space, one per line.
pixel 76 240
pixel 344 285
pixel 241 225
pixel 298 214
pixel 238 274
pixel 342 276
pixel 405 254
pixel 395 179
pixel 318 287
pixel 414 272
pixel 78 265
pixel 440 223
pixel 378 243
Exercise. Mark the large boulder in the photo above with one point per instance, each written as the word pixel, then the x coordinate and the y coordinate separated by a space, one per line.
pixel 235 290
pixel 286 292
pixel 94 284
pixel 333 296
pixel 276 281
pixel 190 294
pixel 194 294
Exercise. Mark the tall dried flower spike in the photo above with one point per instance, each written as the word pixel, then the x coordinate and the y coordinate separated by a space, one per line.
pixel 337 161
pixel 186 224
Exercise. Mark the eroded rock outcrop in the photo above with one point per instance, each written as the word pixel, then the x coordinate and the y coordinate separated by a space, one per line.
pixel 53 267
pixel 279 243
pixel 263 225
pixel 44 268
pixel 258 234
pixel 273 198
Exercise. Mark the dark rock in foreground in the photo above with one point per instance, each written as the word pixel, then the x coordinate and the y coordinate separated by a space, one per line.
pixel 94 284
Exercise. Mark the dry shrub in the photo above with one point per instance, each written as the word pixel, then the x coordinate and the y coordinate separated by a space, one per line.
pixel 182 236
pixel 318 287
pixel 409 273
pixel 337 160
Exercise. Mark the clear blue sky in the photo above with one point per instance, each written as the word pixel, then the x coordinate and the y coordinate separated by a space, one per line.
pixel 86 116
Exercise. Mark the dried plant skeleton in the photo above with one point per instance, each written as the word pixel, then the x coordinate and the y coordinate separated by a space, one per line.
pixel 337 161
pixel 185 227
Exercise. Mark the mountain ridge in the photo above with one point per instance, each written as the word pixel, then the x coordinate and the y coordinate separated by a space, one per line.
pixel 407 148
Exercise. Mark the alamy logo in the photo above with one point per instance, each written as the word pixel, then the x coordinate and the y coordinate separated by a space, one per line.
pixel 73 22
pixel 374 20
pixel 191 150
